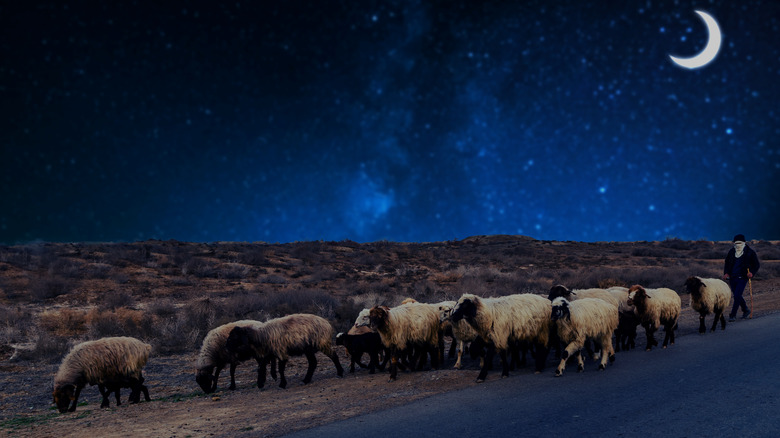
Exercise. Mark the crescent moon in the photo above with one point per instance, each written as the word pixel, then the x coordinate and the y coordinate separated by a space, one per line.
pixel 710 52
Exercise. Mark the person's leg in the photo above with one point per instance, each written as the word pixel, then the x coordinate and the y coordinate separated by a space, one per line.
pixel 738 288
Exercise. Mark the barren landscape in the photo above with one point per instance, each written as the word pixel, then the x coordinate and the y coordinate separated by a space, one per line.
pixel 171 293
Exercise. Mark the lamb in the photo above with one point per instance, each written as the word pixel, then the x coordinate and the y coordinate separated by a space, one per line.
pixel 505 320
pixel 291 335
pixel 709 295
pixel 214 355
pixel 584 319
pixel 462 332
pixel 628 321
pixel 361 339
pixel 655 307
pixel 110 363
pixel 412 325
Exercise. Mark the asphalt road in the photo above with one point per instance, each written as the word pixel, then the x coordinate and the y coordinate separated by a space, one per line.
pixel 717 384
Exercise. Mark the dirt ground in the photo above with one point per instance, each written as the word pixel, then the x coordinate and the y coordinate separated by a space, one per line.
pixel 179 409
pixel 147 273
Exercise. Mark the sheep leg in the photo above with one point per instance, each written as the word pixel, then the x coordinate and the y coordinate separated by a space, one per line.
pixel 669 329
pixel 373 361
pixel 385 359
pixel 458 363
pixel 393 364
pixel 437 356
pixel 76 398
pixel 502 355
pixel 335 358
pixel 453 347
pixel 310 356
pixel 540 356
pixel 491 352
pixel 722 321
pixel 216 376
pixel 232 376
pixel 262 363
pixel 572 348
pixel 702 328
pixel 105 393
pixel 116 396
pixel 607 352
pixel 649 331
pixel 273 367
pixel 282 379
pixel 718 316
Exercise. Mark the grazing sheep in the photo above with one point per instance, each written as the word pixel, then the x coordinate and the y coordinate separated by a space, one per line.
pixel 110 363
pixel 655 307
pixel 462 332
pixel 709 295
pixel 280 338
pixel 413 325
pixel 581 320
pixel 504 320
pixel 214 355
pixel 361 339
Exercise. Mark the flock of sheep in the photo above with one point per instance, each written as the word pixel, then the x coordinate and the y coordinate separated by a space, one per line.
pixel 406 335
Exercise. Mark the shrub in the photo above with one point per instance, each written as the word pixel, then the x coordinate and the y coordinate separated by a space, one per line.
pixel 50 287
pixel 113 299
pixel 200 268
pixel 233 271
pixel 46 348
pixel 63 322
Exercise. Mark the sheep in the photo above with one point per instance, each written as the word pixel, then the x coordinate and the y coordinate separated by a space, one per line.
pixel 291 335
pixel 110 363
pixel 361 339
pixel 583 319
pixel 504 320
pixel 411 325
pixel 571 295
pixel 462 332
pixel 655 307
pixel 709 295
pixel 628 321
pixel 214 356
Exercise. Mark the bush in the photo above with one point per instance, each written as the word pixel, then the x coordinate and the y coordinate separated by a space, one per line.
pixel 113 300
pixel 200 268
pixel 46 348
pixel 50 287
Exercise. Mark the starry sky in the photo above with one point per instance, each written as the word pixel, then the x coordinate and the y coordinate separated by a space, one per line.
pixel 293 120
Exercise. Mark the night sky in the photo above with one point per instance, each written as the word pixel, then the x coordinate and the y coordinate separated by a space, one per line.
pixel 287 120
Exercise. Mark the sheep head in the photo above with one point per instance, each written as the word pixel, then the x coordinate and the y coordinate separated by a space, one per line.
pixel 206 380
pixel 694 286
pixel 637 296
pixel 560 309
pixel 63 396
pixel 466 308
pixel 444 313
pixel 378 317
pixel 362 319
pixel 558 290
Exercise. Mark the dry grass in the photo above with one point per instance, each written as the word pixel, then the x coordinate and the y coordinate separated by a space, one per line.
pixel 171 293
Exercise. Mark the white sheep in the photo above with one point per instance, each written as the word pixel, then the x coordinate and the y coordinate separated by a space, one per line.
pixel 409 326
pixel 291 335
pixel 571 295
pixel 709 295
pixel 110 363
pixel 654 308
pixel 505 321
pixel 461 330
pixel 214 355
pixel 581 320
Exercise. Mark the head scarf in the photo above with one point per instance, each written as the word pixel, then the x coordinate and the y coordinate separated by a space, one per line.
pixel 739 248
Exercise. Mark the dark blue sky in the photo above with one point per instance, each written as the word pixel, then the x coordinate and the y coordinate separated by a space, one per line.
pixel 398 120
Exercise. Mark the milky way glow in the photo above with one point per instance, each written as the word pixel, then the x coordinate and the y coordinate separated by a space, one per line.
pixel 710 51
pixel 401 120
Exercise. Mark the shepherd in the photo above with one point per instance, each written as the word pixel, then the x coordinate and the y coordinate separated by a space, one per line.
pixel 740 267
